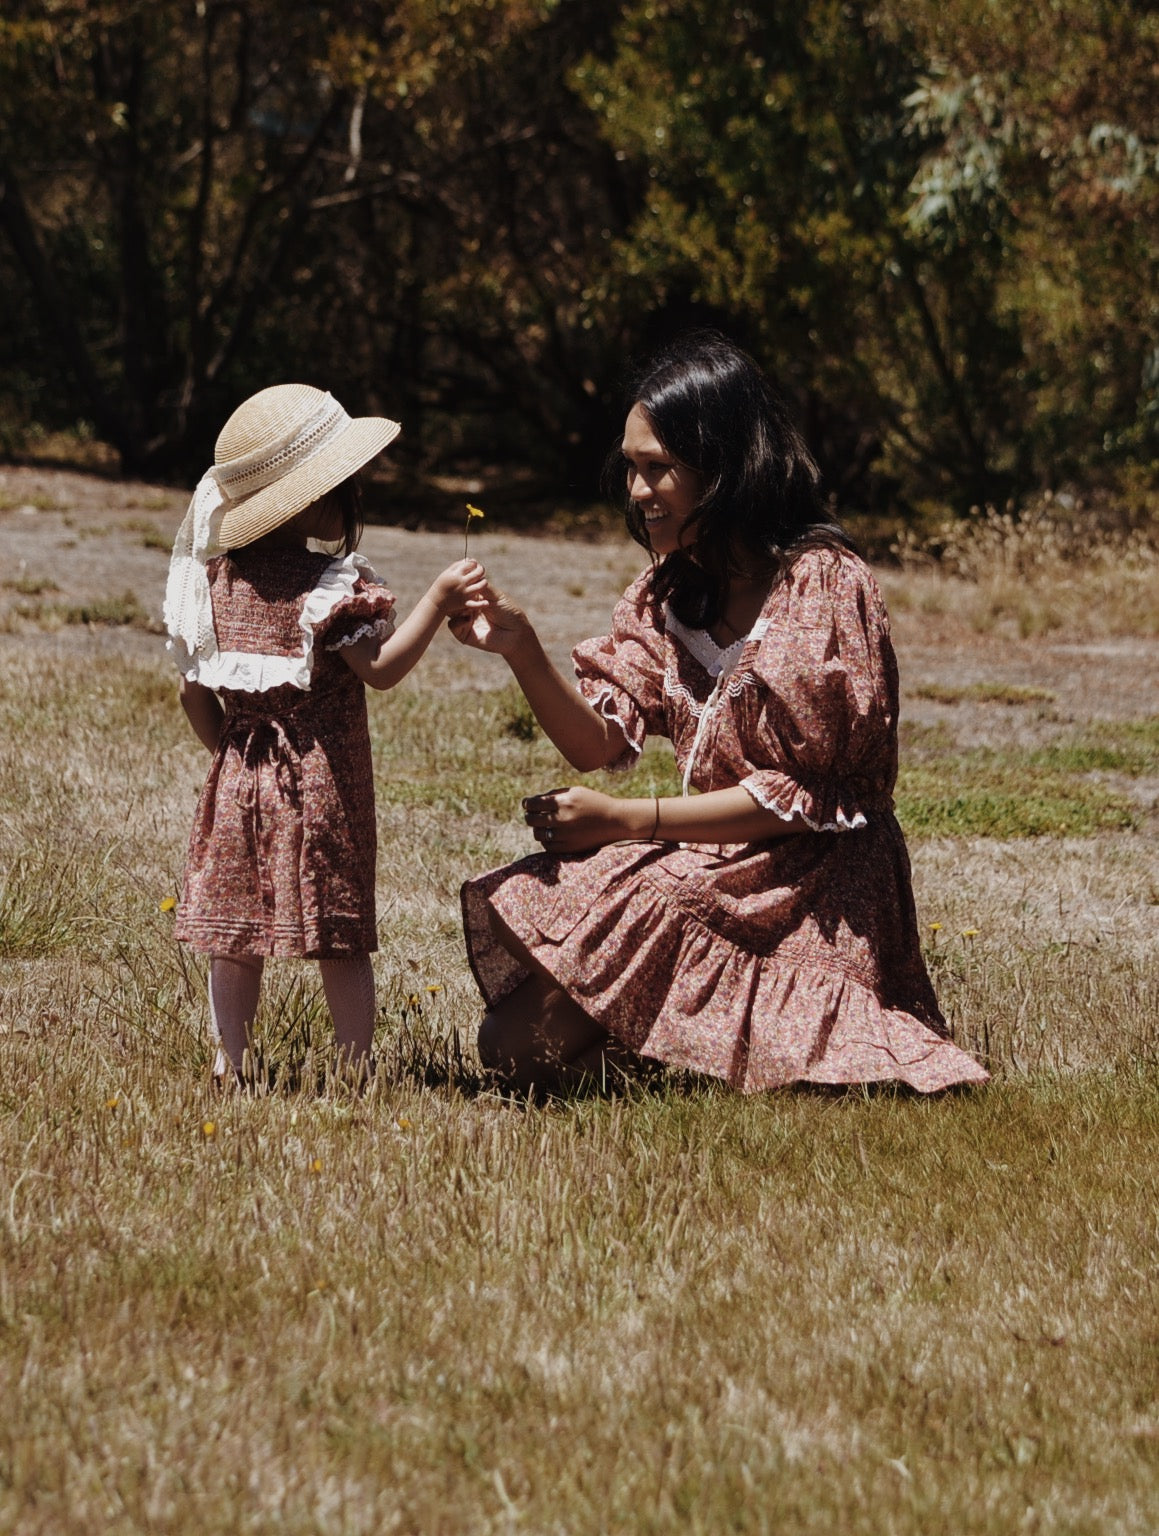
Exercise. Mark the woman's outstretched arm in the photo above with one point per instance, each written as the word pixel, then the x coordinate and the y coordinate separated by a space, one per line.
pixel 585 738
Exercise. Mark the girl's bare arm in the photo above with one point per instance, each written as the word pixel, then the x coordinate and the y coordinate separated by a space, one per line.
pixel 383 663
pixel 203 711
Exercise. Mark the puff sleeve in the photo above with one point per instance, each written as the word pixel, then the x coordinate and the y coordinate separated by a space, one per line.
pixel 622 674
pixel 349 604
pixel 819 732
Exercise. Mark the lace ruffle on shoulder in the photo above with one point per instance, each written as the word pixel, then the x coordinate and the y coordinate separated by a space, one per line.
pixel 246 672
pixel 381 629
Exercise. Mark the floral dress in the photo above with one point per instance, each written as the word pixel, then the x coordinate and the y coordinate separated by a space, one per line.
pixel 282 856
pixel 761 963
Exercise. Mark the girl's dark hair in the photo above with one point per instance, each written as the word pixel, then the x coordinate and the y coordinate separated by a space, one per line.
pixel 714 410
pixel 346 498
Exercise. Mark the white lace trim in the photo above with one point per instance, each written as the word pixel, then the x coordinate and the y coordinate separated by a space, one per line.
pixel 254 471
pixel 381 629
pixel 604 705
pixel 842 823
pixel 714 658
pixel 255 672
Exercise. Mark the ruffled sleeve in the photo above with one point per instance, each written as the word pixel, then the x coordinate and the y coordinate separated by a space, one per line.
pixel 622 674
pixel 364 607
pixel 819 727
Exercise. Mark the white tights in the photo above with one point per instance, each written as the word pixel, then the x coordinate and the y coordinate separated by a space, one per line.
pixel 234 984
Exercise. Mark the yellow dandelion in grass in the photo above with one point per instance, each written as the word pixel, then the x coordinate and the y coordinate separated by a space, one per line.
pixel 413 1000
pixel 113 1102
pixel 403 1124
pixel 168 903
pixel 434 986
pixel 935 927
pixel 316 1165
pixel 209 1129
pixel 474 514
pixel 970 933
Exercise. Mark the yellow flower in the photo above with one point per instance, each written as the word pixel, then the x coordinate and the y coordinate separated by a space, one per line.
pixel 473 513
pixel 970 933
pixel 413 1000
pixel 404 1124
pixel 434 986
pixel 209 1129
pixel 168 903
pixel 316 1165
pixel 113 1102
pixel 935 927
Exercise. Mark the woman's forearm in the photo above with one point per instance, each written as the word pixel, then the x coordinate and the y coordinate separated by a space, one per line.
pixel 585 738
pixel 578 819
pixel 720 816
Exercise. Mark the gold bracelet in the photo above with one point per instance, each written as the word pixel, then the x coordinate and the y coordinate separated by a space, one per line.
pixel 656 820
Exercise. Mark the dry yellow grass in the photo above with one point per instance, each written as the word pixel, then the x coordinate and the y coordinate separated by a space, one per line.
pixel 427 1310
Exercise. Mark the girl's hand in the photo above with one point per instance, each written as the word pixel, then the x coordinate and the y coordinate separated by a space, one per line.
pixel 497 626
pixel 461 586
pixel 576 820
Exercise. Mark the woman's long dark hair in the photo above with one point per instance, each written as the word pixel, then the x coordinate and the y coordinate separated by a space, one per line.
pixel 714 410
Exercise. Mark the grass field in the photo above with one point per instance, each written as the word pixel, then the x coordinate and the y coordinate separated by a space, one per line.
pixel 424 1309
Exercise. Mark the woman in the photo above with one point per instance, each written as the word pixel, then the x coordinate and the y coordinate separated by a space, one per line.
pixel 761 930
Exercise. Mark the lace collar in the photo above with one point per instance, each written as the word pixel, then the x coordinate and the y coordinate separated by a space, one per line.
pixel 717 660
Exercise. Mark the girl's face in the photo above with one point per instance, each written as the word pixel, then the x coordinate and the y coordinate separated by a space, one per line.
pixel 666 491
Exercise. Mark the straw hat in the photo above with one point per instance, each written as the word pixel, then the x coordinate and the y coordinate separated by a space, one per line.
pixel 281 450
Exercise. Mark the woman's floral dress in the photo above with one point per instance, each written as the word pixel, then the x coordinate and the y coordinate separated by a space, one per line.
pixel 282 855
pixel 761 963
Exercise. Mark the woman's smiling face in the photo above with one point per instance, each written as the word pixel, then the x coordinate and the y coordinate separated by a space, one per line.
pixel 666 491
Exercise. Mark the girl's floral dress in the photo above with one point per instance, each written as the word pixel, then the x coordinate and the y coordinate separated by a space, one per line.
pixel 282 855
pixel 760 963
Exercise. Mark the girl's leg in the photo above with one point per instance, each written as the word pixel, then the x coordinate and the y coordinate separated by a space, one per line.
pixel 234 984
pixel 348 983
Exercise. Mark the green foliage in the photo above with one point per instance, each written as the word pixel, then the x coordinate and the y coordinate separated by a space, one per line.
pixel 938 223
pixel 935 219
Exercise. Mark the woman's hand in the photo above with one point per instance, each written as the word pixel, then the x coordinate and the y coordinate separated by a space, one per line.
pixel 498 626
pixel 577 820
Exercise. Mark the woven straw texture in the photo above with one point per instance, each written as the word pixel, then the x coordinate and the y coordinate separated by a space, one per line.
pixel 281 450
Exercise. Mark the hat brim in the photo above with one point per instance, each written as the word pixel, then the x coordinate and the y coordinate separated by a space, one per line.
pixel 350 450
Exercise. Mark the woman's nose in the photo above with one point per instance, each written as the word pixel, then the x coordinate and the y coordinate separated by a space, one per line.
pixel 638 487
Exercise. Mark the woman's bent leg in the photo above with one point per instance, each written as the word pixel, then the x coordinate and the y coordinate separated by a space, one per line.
pixel 537 1037
pixel 348 983
pixel 234 984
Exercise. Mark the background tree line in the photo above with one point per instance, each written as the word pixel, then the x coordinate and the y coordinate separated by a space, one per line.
pixel 935 221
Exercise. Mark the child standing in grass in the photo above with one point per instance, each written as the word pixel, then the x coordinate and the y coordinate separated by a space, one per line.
pixel 275 642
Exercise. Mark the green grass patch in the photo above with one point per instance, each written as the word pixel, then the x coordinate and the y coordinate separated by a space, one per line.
pixel 30 586
pixel 986 794
pixel 113 611
pixel 984 693
pixel 1129 747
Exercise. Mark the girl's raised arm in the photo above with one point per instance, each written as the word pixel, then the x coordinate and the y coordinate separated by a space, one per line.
pixel 585 738
pixel 383 663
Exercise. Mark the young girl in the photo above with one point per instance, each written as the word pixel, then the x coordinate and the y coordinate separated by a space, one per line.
pixel 275 642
